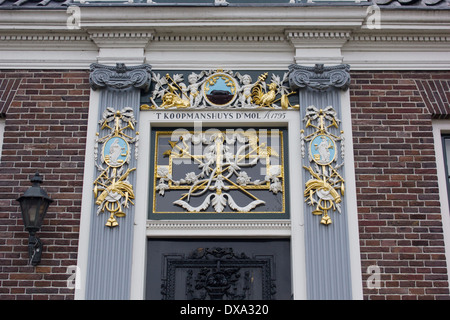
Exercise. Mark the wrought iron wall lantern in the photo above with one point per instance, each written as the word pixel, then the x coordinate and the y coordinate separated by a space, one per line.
pixel 34 204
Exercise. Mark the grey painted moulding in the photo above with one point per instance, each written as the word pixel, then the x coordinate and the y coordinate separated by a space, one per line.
pixel 327 248
pixel 120 76
pixel 319 77
pixel 110 249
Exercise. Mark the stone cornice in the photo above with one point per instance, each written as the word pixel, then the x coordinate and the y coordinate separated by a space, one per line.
pixel 219 227
pixel 137 35
pixel 236 37
pixel 317 35
pixel 124 38
pixel 44 37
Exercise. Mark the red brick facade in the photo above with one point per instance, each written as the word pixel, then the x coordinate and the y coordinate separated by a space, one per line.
pixel 397 192
pixel 45 130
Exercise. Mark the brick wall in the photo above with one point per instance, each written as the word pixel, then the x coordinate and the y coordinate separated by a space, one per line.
pixel 45 130
pixel 397 190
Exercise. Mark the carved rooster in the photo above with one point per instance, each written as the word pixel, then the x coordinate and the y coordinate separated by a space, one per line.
pixel 264 99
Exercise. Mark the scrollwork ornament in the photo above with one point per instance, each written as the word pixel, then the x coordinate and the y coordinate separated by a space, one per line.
pixel 120 77
pixel 319 77
pixel 220 89
pixel 221 177
pixel 326 186
pixel 113 191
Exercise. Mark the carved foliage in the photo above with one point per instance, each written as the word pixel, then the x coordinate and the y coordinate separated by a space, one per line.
pixel 326 186
pixel 220 89
pixel 220 170
pixel 113 191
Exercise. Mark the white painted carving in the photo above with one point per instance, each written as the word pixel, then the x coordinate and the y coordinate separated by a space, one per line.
pixel 220 89
pixel 221 170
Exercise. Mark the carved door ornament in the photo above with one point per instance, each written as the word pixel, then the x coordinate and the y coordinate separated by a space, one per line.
pixel 219 89
pixel 218 274
pixel 326 186
pixel 219 171
pixel 112 191
pixel 217 180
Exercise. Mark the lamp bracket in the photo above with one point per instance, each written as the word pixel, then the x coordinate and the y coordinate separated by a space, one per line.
pixel 34 249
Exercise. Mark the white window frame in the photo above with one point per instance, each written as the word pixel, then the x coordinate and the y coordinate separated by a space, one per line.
pixel 2 131
pixel 441 127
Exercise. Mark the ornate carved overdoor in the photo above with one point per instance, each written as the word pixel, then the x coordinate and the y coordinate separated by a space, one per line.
pixel 218 173
pixel 207 164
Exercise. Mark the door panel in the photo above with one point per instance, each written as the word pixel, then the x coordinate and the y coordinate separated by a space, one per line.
pixel 218 269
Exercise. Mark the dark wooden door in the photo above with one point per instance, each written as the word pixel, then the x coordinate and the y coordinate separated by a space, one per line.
pixel 218 269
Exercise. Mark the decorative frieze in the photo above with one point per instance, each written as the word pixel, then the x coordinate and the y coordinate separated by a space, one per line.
pixel 44 37
pixel 292 35
pixel 219 89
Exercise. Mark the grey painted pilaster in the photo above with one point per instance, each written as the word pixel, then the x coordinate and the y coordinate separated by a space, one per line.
pixel 327 246
pixel 110 248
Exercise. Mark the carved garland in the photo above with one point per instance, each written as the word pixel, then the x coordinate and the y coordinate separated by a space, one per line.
pixel 326 186
pixel 219 89
pixel 112 190
pixel 219 170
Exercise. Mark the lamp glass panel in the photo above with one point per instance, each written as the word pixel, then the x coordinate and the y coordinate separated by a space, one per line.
pixel 33 210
